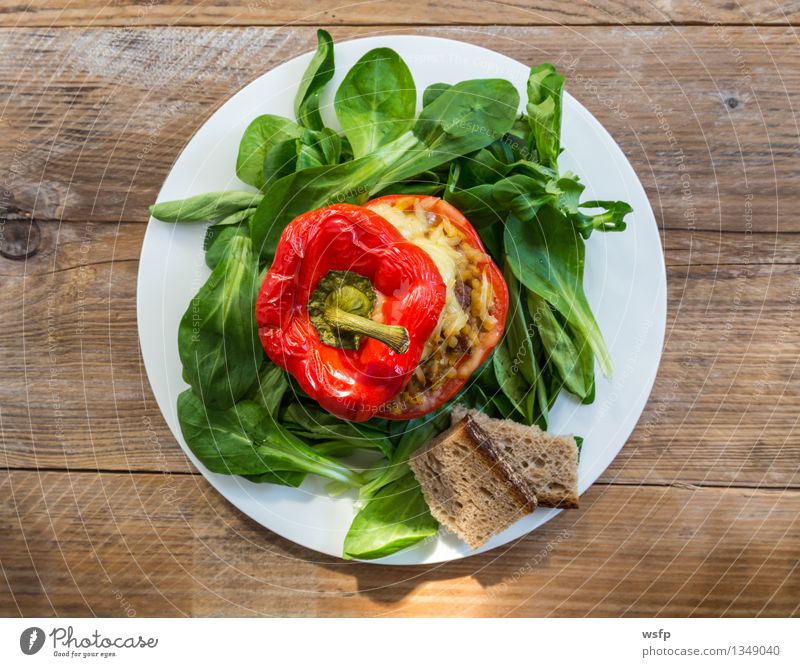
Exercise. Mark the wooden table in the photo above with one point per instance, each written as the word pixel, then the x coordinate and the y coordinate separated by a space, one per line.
pixel 101 512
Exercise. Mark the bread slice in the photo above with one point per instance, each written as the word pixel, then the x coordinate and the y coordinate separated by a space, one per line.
pixel 547 463
pixel 468 484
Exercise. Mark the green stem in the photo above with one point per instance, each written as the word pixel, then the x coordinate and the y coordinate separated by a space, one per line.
pixel 340 309
pixel 395 336
pixel 607 222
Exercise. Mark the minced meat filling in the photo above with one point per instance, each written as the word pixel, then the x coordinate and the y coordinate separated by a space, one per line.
pixel 465 324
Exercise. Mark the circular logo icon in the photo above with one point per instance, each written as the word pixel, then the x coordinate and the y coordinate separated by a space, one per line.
pixel 31 640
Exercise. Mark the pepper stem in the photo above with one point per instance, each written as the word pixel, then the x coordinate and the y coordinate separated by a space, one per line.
pixel 340 309
pixel 393 335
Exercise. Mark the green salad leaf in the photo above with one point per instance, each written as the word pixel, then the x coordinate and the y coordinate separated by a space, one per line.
pixel 545 92
pixel 222 439
pixel 395 518
pixel 319 71
pixel 515 365
pixel 245 440
pixel 376 102
pixel 211 206
pixel 217 239
pixel 569 354
pixel 263 136
pixel 517 332
pixel 432 92
pixel 547 256
pixel 271 388
pixel 217 339
pixel 521 394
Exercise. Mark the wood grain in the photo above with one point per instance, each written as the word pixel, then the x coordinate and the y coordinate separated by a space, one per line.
pixel 115 544
pixel 723 409
pixel 94 119
pixel 49 13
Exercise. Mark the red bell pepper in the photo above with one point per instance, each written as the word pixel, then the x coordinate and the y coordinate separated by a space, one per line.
pixel 471 360
pixel 336 271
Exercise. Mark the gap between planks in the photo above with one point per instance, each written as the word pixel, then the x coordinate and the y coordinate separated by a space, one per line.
pixel 630 483
pixel 104 25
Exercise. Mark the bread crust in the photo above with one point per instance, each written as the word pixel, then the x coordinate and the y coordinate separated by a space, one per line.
pixel 504 432
pixel 487 448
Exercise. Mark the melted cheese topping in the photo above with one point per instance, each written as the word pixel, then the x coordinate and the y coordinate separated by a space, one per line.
pixel 440 239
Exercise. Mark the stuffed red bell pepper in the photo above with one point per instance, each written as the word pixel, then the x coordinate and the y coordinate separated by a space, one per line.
pixel 384 310
pixel 476 302
pixel 347 308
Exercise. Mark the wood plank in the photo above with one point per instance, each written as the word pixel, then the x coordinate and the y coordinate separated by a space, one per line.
pixel 51 13
pixel 723 410
pixel 93 120
pixel 69 245
pixel 75 393
pixel 153 545
pixel 720 409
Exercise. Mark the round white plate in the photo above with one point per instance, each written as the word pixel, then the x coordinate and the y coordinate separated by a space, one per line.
pixel 625 282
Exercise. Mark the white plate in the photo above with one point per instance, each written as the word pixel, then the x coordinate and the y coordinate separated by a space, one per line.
pixel 625 283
